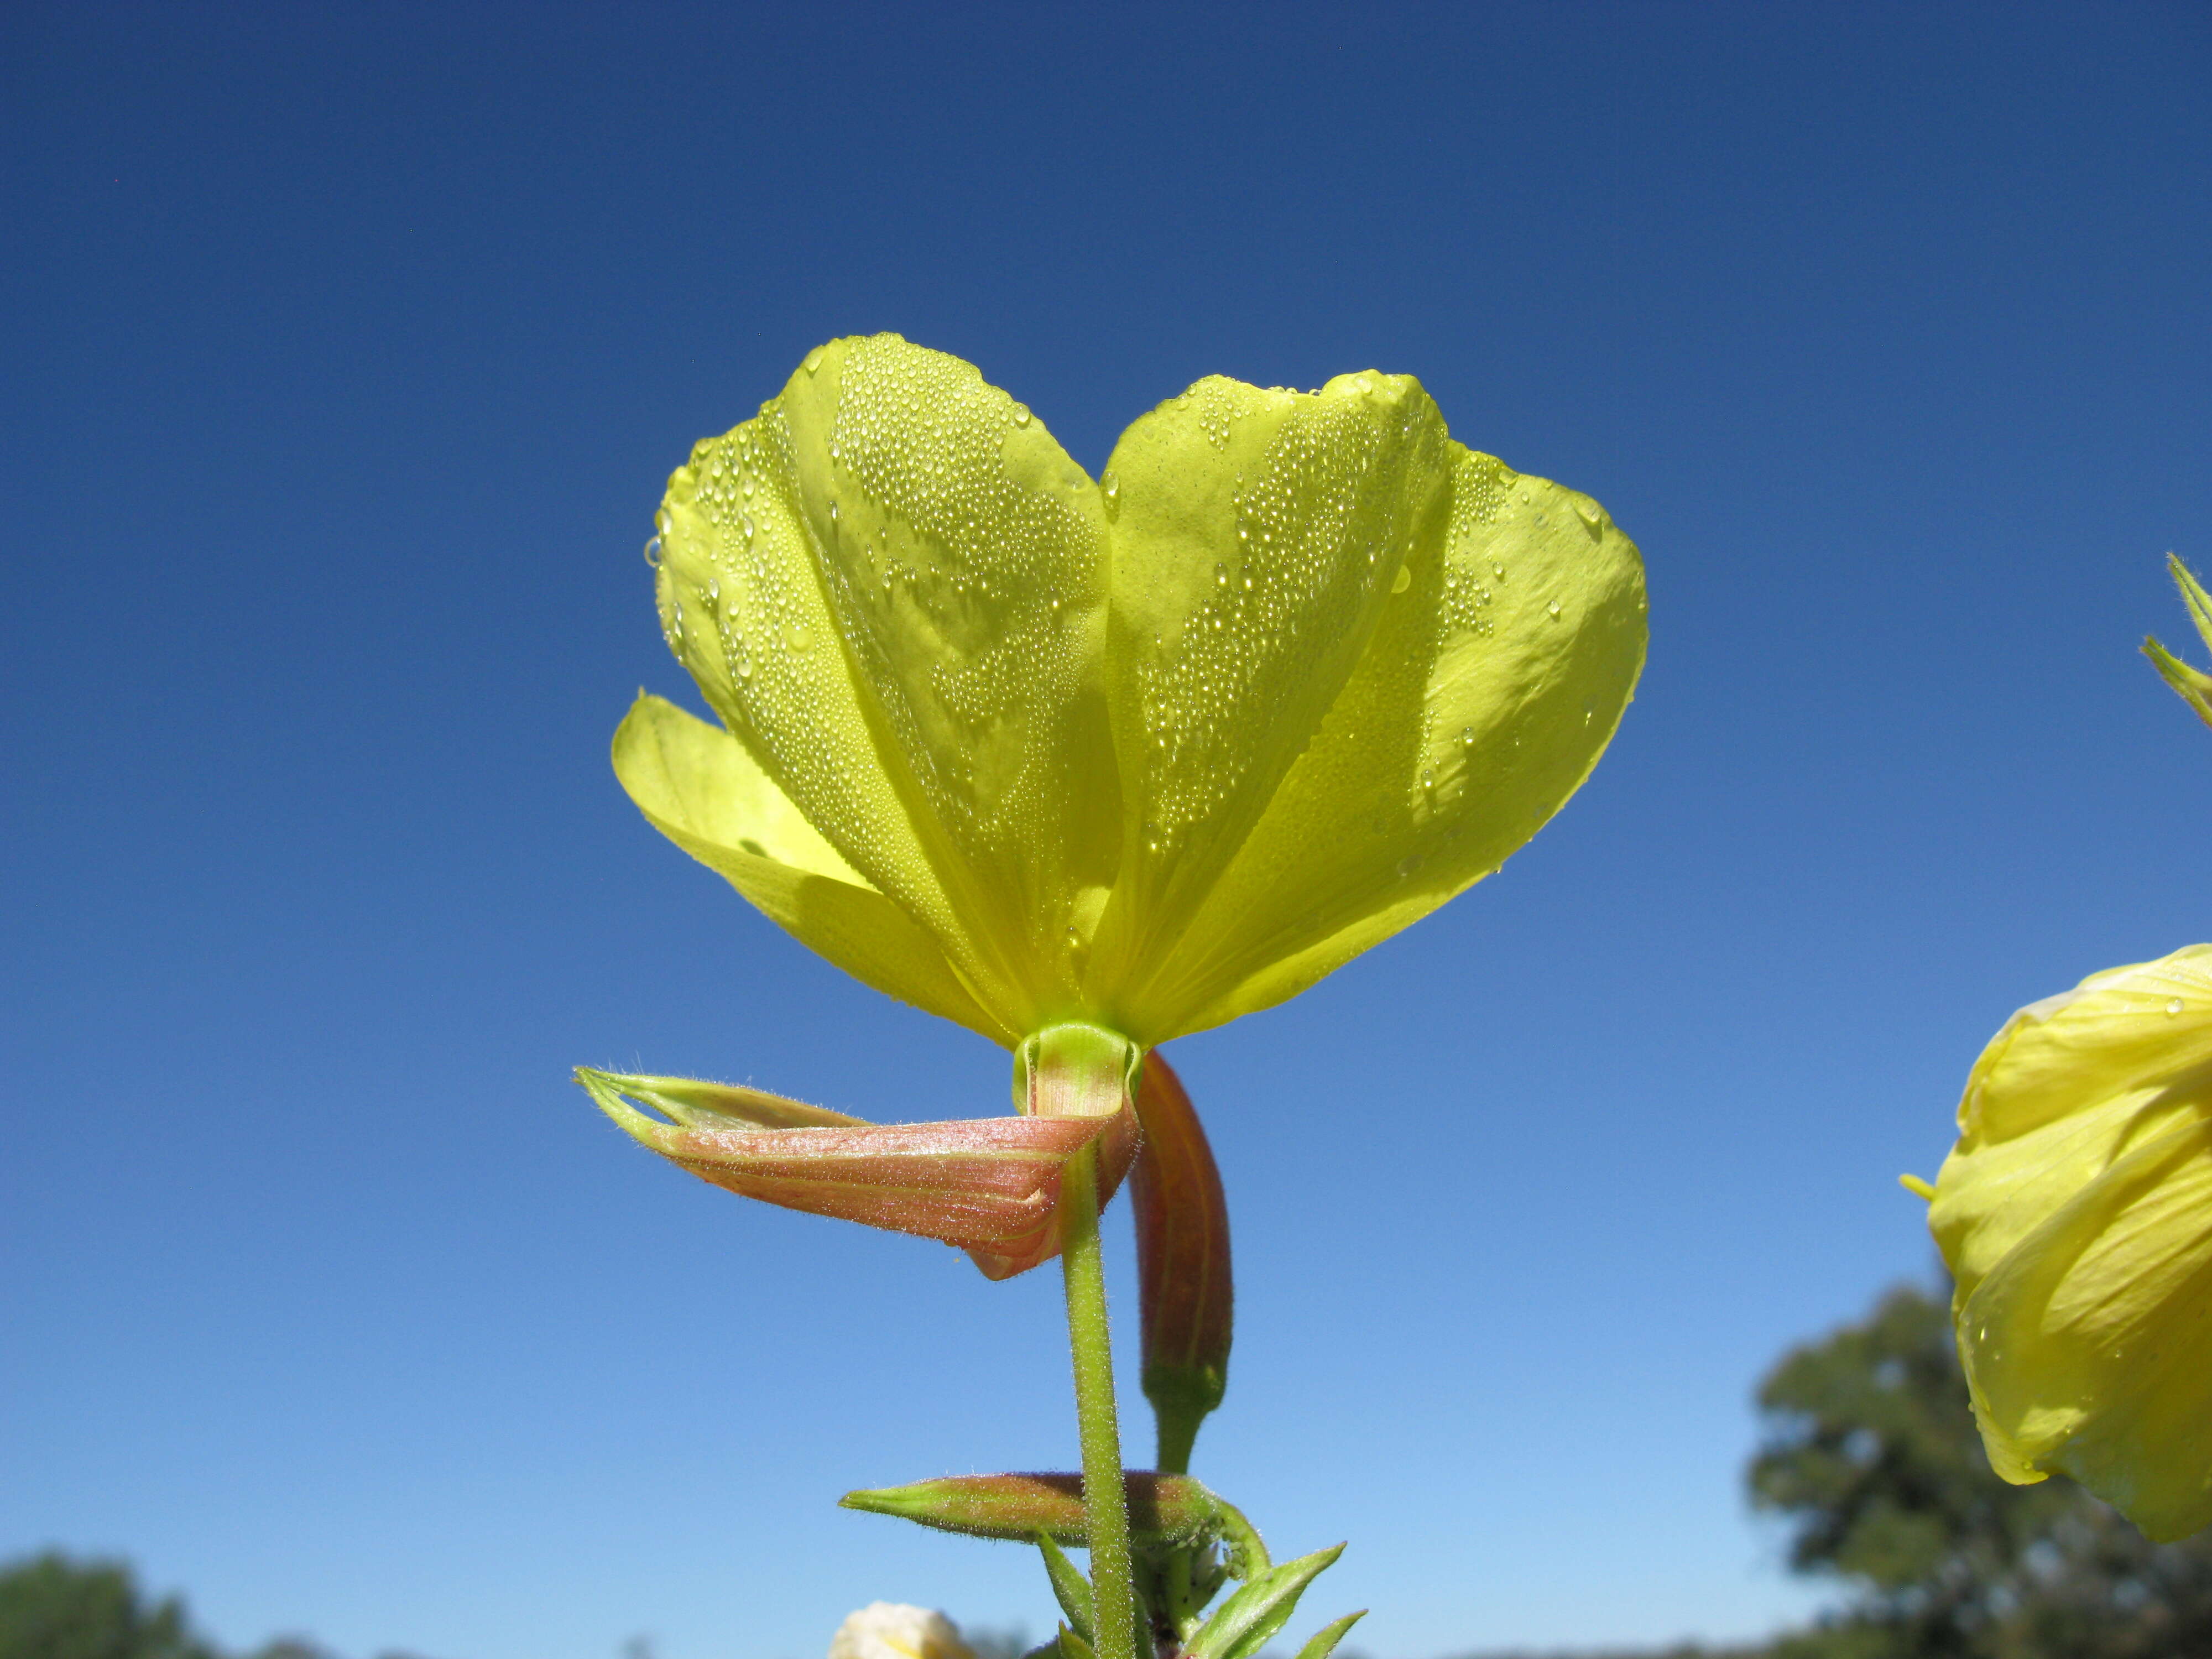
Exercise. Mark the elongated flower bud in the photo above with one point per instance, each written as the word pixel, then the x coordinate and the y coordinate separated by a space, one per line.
pixel 1182 1263
pixel 1162 1508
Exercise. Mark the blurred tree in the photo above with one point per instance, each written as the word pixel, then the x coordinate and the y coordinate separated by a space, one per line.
pixel 51 1608
pixel 1870 1454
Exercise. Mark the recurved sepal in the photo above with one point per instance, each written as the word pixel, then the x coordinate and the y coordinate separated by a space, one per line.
pixel 1167 1508
pixel 1182 1263
pixel 989 1186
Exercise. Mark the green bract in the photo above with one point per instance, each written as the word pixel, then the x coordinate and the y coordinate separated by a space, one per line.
pixel 1146 752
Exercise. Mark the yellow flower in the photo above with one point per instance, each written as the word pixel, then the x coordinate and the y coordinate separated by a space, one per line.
pixel 1146 753
pixel 1086 764
pixel 2077 1214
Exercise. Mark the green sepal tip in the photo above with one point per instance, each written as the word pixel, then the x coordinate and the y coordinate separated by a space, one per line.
pixel 1249 1619
pixel 1069 1587
pixel 1324 1640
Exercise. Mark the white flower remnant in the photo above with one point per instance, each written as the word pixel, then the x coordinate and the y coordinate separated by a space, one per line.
pixel 892 1629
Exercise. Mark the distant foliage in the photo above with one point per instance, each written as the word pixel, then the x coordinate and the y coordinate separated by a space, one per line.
pixel 51 1608
pixel 1871 1456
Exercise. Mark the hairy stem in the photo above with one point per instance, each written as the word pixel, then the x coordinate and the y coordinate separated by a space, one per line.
pixel 1105 1505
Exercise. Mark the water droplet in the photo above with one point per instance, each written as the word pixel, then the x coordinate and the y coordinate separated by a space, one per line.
pixel 1553 607
pixel 2173 1006
pixel 1407 866
pixel 1497 570
pixel 652 552
pixel 749 486
pixel 1021 414
pixel 1592 515
pixel 833 506
pixel 814 359
pixel 713 590
pixel 746 523
pixel 1404 579
pixel 744 659
pixel 1467 736
pixel 797 637
pixel 1220 574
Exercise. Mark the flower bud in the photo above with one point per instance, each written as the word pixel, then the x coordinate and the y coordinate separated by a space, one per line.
pixel 1182 1262
pixel 1162 1508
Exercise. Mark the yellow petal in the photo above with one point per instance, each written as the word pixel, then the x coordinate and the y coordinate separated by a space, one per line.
pixel 893 590
pixel 700 788
pixel 1355 667
pixel 1257 538
pixel 2088 1347
pixel 2075 1213
pixel 1496 678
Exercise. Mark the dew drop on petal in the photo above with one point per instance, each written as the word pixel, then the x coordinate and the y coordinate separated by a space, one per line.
pixel 652 552
pixel 1404 579
pixel 2173 1006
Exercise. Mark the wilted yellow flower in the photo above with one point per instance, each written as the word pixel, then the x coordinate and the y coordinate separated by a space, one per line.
pixel 1147 752
pixel 2077 1214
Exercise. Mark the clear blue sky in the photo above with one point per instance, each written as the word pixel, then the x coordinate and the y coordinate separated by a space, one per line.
pixel 346 350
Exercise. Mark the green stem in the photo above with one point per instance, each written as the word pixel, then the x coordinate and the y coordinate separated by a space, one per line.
pixel 1105 1505
pixel 1177 1434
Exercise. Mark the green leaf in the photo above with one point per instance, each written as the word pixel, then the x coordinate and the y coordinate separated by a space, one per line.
pixel 1247 1620
pixel 1070 1588
pixel 1325 1639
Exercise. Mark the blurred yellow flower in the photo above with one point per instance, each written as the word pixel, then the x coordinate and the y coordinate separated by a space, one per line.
pixel 2076 1212
pixel 894 1630
pixel 1144 752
